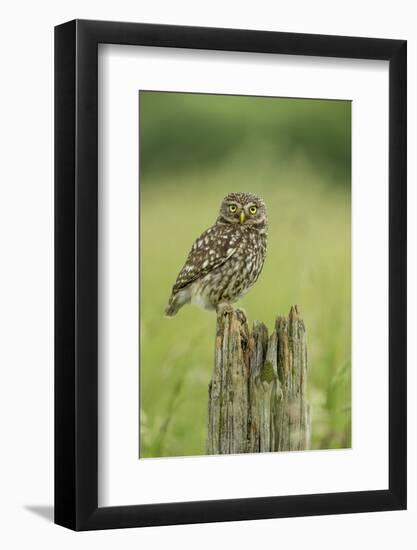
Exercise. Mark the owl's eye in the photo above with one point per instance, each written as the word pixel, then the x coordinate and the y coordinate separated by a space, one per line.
pixel 252 209
pixel 232 208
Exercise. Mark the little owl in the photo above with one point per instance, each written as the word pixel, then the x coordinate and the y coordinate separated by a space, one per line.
pixel 226 260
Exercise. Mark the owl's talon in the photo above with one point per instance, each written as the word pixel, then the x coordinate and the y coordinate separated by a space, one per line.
pixel 241 315
pixel 224 308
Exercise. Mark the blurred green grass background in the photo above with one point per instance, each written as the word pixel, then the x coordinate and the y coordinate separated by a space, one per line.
pixel 296 154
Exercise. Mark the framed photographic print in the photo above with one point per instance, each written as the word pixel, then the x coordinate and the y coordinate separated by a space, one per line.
pixel 230 254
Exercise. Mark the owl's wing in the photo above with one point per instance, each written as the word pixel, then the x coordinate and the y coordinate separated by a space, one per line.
pixel 209 251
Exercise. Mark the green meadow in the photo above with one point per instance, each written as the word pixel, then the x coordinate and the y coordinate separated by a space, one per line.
pixel 194 149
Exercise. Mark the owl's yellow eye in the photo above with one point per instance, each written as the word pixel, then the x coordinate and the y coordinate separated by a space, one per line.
pixel 252 209
pixel 232 208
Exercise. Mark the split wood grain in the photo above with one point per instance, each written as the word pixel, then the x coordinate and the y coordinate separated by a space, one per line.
pixel 258 391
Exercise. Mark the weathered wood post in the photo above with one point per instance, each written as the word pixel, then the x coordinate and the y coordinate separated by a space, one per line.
pixel 257 395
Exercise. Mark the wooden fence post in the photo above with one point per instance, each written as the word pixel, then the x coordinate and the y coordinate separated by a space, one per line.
pixel 257 394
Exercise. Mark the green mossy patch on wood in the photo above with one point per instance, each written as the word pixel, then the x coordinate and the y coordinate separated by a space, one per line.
pixel 267 372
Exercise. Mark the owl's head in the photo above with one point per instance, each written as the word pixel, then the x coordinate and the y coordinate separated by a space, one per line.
pixel 243 208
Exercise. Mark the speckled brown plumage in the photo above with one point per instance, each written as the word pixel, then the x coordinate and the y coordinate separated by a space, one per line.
pixel 227 259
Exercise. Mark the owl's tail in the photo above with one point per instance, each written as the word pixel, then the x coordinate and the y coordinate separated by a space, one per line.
pixel 171 309
pixel 174 305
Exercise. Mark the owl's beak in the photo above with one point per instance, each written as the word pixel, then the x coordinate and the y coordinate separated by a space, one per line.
pixel 242 217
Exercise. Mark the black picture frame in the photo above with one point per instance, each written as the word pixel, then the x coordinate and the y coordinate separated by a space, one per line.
pixel 76 272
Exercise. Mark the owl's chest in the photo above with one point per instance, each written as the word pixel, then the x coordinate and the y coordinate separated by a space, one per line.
pixel 250 257
pixel 235 276
pixel 252 245
pixel 242 269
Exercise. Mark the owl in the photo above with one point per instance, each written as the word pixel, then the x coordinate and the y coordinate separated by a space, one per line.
pixel 227 259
